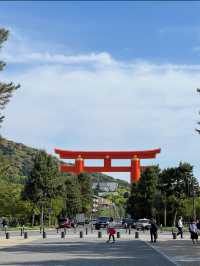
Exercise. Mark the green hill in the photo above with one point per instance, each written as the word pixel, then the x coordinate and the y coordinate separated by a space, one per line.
pixel 18 160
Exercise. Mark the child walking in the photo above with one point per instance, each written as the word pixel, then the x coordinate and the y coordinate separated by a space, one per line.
pixel 111 230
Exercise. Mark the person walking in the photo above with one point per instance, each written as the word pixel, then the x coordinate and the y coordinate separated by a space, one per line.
pixel 193 231
pixel 111 230
pixel 153 230
pixel 5 225
pixel 198 224
pixel 180 226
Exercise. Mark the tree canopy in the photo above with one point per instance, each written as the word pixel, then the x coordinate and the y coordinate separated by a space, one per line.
pixel 6 89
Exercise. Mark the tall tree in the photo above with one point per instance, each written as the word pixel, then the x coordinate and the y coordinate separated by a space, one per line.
pixel 43 183
pixel 72 197
pixel 86 192
pixel 6 89
pixel 141 201
pixel 176 184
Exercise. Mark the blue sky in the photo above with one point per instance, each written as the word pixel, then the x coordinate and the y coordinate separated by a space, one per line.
pixel 104 75
pixel 150 30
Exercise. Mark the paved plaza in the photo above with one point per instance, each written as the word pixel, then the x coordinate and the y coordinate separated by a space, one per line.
pixel 93 251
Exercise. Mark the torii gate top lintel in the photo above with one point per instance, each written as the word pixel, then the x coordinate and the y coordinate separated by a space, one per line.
pixel 68 154
pixel 107 156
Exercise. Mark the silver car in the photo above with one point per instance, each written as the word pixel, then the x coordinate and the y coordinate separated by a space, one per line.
pixel 143 224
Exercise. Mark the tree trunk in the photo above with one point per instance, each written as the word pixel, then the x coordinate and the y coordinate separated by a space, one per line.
pixel 33 219
pixel 42 217
pixel 165 209
pixel 174 220
pixel 49 219
pixel 165 216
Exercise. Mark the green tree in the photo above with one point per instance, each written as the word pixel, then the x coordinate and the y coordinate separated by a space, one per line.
pixel 176 184
pixel 86 192
pixel 119 201
pixel 6 89
pixel 72 197
pixel 11 203
pixel 44 182
pixel 141 201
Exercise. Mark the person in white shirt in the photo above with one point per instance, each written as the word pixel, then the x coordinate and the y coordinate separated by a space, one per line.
pixel 180 227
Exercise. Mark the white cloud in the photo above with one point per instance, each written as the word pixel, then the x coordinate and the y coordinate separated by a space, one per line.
pixel 45 58
pixel 105 104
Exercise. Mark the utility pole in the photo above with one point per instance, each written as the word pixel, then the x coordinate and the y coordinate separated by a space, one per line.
pixel 165 210
pixel 193 200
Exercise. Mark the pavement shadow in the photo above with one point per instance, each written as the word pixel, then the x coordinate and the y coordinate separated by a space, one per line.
pixel 67 247
pixel 123 253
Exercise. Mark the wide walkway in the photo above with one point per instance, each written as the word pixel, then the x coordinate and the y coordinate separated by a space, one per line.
pixel 93 251
pixel 81 252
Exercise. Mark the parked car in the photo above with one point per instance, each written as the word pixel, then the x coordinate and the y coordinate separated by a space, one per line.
pixel 87 221
pixel 128 222
pixel 80 219
pixel 102 222
pixel 143 224
pixel 93 221
pixel 65 223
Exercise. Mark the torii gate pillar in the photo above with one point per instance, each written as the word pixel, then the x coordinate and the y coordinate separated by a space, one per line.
pixel 135 169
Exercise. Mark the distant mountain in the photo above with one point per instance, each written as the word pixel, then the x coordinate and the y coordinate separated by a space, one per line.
pixel 19 158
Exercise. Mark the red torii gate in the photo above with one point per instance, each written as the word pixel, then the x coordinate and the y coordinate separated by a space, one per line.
pixel 107 156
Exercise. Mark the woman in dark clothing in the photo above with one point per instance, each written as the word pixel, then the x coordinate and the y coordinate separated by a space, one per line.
pixel 153 230
pixel 198 224
pixel 193 231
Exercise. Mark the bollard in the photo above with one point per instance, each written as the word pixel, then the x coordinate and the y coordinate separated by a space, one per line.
pixel 44 235
pixel 136 234
pixel 174 235
pixel 25 235
pixel 7 235
pixel 21 232
pixel 129 230
pixel 118 234
pixel 65 230
pixel 81 234
pixel 62 234
pixel 86 230
pixel 99 234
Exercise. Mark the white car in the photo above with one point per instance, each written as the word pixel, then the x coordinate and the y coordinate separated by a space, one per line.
pixel 143 224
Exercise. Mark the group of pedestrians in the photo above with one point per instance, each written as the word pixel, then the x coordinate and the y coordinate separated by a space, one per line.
pixel 194 229
pixel 112 230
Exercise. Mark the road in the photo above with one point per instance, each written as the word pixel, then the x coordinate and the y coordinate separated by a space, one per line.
pixel 82 252
pixel 93 251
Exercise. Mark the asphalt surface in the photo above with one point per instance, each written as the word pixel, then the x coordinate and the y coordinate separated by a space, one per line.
pixel 182 252
pixel 90 252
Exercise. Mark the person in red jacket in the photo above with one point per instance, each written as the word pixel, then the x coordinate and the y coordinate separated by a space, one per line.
pixel 111 230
